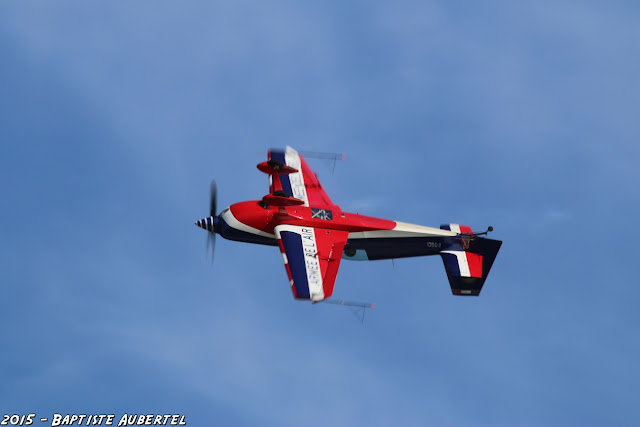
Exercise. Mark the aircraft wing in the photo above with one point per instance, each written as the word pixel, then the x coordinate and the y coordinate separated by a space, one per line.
pixel 312 258
pixel 303 185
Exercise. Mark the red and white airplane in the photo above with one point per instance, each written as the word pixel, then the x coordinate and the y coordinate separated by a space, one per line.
pixel 314 234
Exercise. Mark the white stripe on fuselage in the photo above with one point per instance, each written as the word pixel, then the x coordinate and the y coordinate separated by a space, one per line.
pixel 233 222
pixel 402 229
pixel 292 158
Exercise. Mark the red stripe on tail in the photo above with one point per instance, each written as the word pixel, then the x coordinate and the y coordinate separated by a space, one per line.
pixel 475 264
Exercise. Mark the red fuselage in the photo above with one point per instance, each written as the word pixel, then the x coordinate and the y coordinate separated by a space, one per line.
pixel 257 217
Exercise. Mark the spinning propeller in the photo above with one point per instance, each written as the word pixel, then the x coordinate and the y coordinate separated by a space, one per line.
pixel 210 223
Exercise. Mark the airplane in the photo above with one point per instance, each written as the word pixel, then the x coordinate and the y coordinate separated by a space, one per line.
pixel 314 234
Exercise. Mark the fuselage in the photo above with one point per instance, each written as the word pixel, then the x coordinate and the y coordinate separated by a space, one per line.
pixel 369 238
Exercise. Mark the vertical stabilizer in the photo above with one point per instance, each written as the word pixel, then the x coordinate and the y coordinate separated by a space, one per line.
pixel 469 260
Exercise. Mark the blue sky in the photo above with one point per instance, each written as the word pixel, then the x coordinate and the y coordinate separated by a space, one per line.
pixel 116 115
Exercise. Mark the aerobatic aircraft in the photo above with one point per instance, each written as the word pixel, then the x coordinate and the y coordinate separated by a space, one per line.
pixel 314 234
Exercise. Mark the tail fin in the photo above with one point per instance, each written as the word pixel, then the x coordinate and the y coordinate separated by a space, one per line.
pixel 468 260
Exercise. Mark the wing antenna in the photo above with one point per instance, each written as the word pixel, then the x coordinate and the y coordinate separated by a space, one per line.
pixel 358 309
pixel 324 156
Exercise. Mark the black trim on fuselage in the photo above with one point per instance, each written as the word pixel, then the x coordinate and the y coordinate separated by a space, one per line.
pixel 397 247
pixel 231 233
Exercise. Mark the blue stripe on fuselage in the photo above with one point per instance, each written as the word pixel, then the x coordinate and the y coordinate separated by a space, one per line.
pixel 292 243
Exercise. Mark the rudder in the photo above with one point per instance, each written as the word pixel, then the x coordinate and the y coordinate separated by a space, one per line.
pixel 468 261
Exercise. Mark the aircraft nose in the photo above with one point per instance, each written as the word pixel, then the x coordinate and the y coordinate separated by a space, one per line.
pixel 208 224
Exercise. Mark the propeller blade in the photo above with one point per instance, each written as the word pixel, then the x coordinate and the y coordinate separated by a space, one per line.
pixel 211 245
pixel 210 223
pixel 213 211
pixel 213 199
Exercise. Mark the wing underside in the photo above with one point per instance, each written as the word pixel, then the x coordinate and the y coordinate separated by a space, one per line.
pixel 312 258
